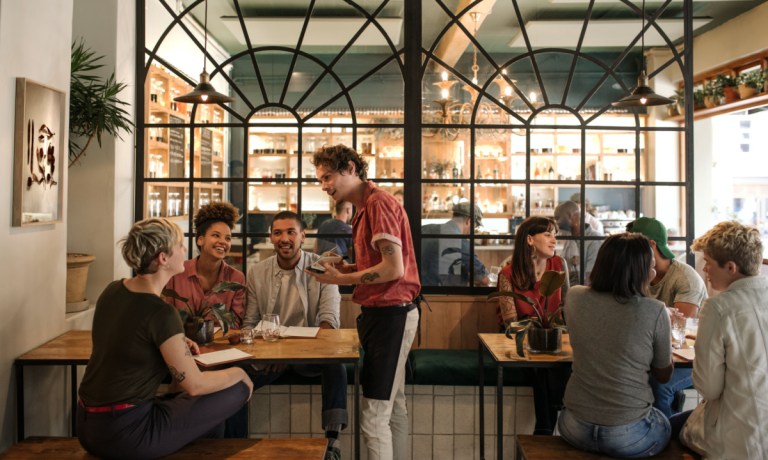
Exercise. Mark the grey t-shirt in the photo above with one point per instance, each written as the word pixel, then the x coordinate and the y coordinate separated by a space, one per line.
pixel 681 283
pixel 614 347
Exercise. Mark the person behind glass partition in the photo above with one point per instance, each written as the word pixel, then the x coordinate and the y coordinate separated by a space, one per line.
pixel 608 400
pixel 730 371
pixel 568 217
pixel 339 224
pixel 138 339
pixel 445 262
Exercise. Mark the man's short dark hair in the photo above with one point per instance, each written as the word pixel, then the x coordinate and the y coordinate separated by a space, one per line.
pixel 337 158
pixel 288 215
pixel 339 207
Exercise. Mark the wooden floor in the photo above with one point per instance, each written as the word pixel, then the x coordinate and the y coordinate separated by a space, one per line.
pixel 287 449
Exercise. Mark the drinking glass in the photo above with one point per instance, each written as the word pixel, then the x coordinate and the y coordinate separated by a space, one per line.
pixel 246 335
pixel 678 330
pixel 270 327
pixel 493 276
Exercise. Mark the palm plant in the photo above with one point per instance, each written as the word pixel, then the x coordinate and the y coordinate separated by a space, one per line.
pixel 94 106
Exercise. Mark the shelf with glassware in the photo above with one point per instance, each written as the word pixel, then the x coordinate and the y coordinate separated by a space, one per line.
pixel 167 148
pixel 273 156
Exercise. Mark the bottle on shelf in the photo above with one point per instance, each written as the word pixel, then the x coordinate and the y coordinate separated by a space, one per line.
pixel 424 171
pixel 551 172
pixel 521 203
pixel 479 174
pixel 536 172
pixel 455 171
pixel 496 171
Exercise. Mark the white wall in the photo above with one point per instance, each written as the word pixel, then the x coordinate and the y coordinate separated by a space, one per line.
pixel 101 184
pixel 34 43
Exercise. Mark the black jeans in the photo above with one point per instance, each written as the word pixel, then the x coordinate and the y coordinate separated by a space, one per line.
pixel 158 427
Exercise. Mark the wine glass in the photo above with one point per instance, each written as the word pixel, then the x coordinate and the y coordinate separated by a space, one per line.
pixel 270 327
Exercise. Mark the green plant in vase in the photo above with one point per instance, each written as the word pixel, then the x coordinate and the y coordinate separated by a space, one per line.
pixel 198 322
pixel 698 99
pixel 543 329
pixel 728 85
pixel 750 83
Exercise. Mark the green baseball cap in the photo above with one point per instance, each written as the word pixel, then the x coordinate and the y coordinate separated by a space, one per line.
pixel 653 230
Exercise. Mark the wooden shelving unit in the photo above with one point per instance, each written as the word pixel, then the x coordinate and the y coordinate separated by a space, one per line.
pixel 167 149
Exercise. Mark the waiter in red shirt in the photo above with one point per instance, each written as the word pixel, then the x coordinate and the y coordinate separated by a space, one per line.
pixel 386 283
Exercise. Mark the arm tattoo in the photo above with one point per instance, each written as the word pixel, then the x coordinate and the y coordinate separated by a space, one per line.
pixel 388 250
pixel 176 375
pixel 369 277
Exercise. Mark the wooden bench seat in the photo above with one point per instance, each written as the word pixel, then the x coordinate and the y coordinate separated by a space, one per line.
pixel 288 449
pixel 529 447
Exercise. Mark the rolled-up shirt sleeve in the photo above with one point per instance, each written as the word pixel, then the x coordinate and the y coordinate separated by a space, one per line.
pixel 252 311
pixel 330 306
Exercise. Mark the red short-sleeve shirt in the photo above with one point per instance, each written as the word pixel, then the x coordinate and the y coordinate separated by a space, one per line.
pixel 382 218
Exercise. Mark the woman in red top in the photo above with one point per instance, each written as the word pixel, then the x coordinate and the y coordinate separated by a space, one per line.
pixel 534 254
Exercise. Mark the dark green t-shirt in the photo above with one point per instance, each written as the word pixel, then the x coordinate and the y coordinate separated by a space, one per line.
pixel 126 365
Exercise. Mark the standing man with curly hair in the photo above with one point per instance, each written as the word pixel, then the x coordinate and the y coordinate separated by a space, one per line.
pixel 387 284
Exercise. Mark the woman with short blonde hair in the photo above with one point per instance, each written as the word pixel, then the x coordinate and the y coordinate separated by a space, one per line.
pixel 138 340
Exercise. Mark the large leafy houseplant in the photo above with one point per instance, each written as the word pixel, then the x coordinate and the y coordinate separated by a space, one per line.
pixel 94 105
pixel 195 318
pixel 550 282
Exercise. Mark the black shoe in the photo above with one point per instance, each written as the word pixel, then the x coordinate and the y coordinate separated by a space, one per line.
pixel 678 401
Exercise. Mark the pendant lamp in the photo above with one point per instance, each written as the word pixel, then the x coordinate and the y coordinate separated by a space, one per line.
pixel 642 95
pixel 204 92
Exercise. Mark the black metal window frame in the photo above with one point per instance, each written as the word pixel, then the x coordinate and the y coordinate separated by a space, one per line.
pixel 414 60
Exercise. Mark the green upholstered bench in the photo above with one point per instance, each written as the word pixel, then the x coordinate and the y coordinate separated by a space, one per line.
pixel 460 368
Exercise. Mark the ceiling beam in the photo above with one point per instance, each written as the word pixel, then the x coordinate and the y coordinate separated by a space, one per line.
pixel 455 41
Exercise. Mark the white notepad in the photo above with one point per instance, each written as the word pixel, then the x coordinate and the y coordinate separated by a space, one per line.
pixel 222 356
pixel 686 353
pixel 294 331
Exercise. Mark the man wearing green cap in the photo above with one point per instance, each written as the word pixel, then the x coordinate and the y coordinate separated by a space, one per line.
pixel 678 286
pixel 445 262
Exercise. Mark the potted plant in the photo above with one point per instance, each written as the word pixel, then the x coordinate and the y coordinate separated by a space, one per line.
pixel 94 109
pixel 750 83
pixel 698 99
pixel 728 85
pixel 678 108
pixel 712 94
pixel 543 330
pixel 198 322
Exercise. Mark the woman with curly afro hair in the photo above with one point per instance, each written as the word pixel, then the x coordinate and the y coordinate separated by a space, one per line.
pixel 213 226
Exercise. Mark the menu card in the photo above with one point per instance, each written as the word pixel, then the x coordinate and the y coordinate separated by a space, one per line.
pixel 685 353
pixel 293 331
pixel 222 356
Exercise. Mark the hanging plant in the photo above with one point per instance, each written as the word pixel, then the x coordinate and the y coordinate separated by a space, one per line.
pixel 94 106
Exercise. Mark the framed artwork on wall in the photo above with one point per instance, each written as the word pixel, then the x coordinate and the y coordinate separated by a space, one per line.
pixel 39 156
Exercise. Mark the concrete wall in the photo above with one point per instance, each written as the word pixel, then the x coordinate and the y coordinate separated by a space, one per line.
pixel 34 43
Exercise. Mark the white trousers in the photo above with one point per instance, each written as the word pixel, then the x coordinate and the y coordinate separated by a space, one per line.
pixel 385 423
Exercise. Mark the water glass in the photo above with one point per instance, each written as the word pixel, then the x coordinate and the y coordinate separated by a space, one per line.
pixel 246 335
pixel 270 327
pixel 493 276
pixel 678 330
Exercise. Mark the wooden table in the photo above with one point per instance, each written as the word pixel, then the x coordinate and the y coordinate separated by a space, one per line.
pixel 504 352
pixel 73 349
